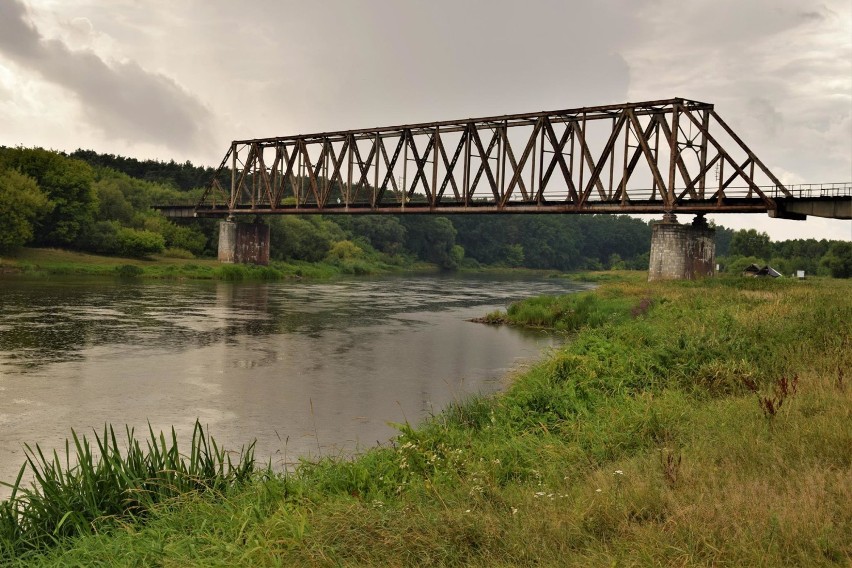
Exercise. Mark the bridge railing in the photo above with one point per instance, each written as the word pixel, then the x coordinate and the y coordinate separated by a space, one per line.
pixel 816 190
pixel 798 191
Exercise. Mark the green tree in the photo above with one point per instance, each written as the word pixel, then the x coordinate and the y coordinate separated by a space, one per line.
pixel 384 232
pixel 838 259
pixel 136 243
pixel 112 204
pixel 751 243
pixel 485 237
pixel 432 239
pixel 615 262
pixel 723 239
pixel 21 204
pixel 184 237
pixel 100 237
pixel 344 250
pixel 513 255
pixel 549 241
pixel 68 185
pixel 182 176
pixel 302 238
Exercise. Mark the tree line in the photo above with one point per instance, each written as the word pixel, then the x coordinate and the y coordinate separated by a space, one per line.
pixel 101 203
pixel 820 257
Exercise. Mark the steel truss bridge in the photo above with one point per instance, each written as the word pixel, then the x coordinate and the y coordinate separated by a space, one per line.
pixel 665 156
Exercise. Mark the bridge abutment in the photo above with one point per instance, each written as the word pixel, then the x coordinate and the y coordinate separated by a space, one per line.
pixel 244 243
pixel 682 252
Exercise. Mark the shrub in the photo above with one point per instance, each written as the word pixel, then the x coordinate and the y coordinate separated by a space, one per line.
pixel 175 252
pixel 231 272
pixel 344 250
pixel 136 243
pixel 838 260
pixel 100 237
pixel 128 271
pixel 352 266
pixel 21 205
pixel 736 264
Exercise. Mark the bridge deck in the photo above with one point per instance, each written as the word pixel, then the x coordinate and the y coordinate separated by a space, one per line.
pixel 811 199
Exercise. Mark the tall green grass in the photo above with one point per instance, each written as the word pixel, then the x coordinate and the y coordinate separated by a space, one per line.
pixel 569 312
pixel 101 483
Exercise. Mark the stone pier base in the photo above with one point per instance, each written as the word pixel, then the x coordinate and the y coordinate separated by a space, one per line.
pixel 682 252
pixel 245 243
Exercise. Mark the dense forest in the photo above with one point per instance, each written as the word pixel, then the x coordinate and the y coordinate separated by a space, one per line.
pixel 101 203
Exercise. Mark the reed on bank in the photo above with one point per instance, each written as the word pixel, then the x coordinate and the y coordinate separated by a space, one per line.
pixel 644 440
pixel 108 484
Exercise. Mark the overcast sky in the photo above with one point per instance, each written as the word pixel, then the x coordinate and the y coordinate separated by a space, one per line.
pixel 180 79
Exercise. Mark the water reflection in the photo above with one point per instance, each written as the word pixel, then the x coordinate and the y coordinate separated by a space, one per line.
pixel 302 367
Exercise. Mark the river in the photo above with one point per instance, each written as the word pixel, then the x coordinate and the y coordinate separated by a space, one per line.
pixel 305 368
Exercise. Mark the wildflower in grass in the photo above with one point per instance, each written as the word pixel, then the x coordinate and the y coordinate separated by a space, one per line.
pixel 618 472
pixel 514 511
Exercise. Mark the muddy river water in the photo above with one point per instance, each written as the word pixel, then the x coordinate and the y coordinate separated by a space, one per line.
pixel 303 368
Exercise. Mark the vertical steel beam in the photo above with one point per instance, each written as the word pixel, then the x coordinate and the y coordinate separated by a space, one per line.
pixel 406 135
pixel 376 179
pixel 583 150
pixel 232 200
pixel 534 137
pixel 612 163
pixel 673 156
pixel 466 179
pixel 438 149
pixel 622 187
pixel 702 156
pixel 656 157
pixel 349 171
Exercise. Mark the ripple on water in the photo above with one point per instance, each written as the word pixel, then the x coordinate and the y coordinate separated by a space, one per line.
pixel 336 360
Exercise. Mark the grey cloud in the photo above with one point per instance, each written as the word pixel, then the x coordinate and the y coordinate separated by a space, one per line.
pixel 346 64
pixel 811 16
pixel 122 99
pixel 18 37
pixel 778 78
pixel 766 115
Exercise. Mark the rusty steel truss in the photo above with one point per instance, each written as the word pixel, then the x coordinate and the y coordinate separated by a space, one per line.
pixel 666 156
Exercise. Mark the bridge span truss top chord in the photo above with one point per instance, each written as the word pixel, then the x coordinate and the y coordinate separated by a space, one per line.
pixel 666 156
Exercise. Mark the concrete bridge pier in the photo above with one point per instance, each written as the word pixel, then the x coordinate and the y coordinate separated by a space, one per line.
pixel 682 252
pixel 244 243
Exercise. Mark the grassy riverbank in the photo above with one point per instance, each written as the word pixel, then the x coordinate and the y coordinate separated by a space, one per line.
pixel 686 423
pixel 46 263
pixel 41 263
